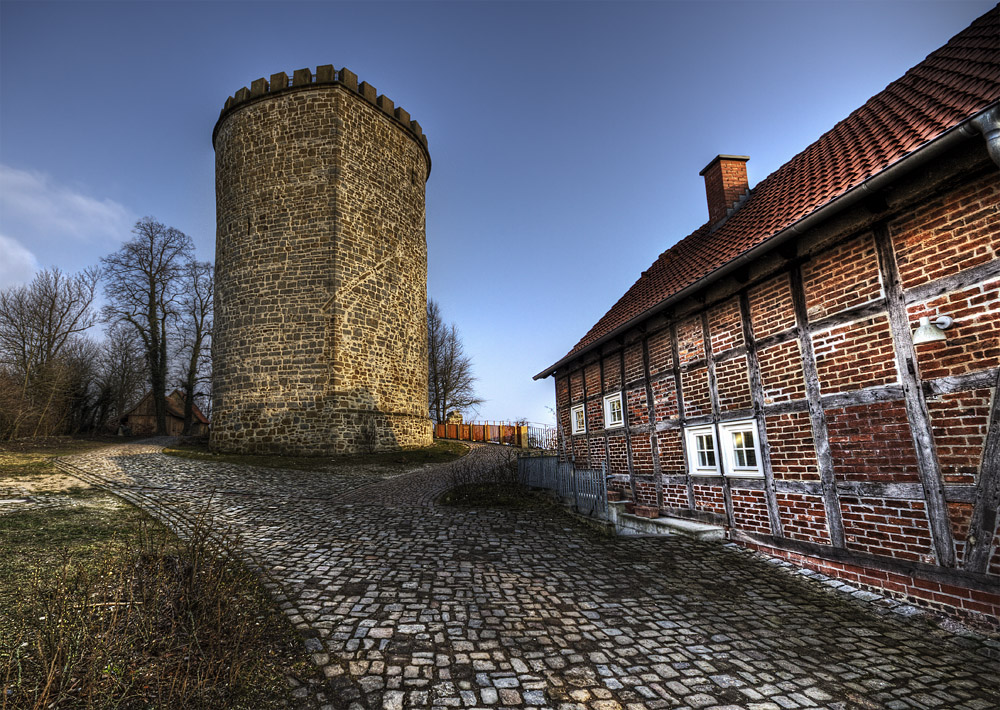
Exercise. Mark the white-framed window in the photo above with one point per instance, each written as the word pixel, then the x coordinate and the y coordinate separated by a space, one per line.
pixel 737 449
pixel 613 414
pixel 703 454
pixel 578 419
pixel 741 448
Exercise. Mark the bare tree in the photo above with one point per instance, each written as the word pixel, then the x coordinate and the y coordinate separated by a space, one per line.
pixel 39 325
pixel 141 284
pixel 82 392
pixel 450 382
pixel 194 331
pixel 121 375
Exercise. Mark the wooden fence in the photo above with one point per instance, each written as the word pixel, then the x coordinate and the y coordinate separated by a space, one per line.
pixel 524 436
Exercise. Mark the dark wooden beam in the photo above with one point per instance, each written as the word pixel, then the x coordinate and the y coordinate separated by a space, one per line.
pixel 928 467
pixel 628 435
pixel 906 568
pixel 817 417
pixel 713 393
pixel 981 379
pixel 777 338
pixel 849 315
pixel 675 355
pixel 730 354
pixel 587 424
pixel 651 416
pixel 954 282
pixel 757 397
pixel 983 525
pixel 956 493
pixel 607 448
pixel 702 516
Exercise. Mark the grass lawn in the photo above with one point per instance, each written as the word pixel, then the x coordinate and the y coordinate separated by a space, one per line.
pixel 105 608
pixel 26 465
pixel 439 452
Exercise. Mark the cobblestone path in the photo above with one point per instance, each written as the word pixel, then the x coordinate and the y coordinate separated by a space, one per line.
pixel 408 604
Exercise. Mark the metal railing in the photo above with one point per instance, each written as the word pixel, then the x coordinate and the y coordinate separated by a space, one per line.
pixel 585 490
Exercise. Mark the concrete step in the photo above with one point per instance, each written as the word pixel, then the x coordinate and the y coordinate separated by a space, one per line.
pixel 628 524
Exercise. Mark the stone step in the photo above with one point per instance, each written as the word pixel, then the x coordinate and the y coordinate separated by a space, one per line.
pixel 629 524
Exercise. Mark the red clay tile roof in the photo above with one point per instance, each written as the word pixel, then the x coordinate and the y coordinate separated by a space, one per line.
pixel 949 86
pixel 175 407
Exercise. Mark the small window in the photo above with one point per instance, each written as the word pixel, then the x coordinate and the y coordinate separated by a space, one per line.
pixel 613 415
pixel 741 448
pixel 578 419
pixel 703 457
pixel 705 446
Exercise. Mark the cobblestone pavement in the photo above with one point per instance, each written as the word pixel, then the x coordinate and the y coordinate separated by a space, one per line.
pixel 405 603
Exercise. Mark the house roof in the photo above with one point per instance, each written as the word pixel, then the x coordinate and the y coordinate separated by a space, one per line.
pixel 951 85
pixel 175 406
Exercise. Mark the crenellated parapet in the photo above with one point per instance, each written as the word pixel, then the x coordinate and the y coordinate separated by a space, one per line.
pixel 303 79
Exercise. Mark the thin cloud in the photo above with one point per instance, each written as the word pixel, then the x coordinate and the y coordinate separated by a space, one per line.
pixel 41 211
pixel 17 264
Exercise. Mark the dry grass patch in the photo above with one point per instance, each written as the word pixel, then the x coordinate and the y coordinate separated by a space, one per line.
pixel 28 464
pixel 440 452
pixel 102 607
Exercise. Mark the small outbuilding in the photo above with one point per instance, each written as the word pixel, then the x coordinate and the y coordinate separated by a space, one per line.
pixel 142 418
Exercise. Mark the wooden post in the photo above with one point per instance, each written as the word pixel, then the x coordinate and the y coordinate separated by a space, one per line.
pixel 651 415
pixel 628 435
pixel 928 467
pixel 713 391
pixel 586 424
pixel 983 525
pixel 817 417
pixel 757 396
pixel 607 448
pixel 675 354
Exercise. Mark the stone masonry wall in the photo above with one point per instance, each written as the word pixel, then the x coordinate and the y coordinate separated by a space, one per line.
pixel 320 342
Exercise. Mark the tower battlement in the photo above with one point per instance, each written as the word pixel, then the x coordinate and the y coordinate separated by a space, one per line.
pixel 325 75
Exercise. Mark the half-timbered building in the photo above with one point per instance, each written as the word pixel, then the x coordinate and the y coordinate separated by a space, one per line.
pixel 816 367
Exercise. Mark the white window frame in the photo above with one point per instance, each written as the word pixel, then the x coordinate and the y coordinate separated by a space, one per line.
pixel 727 433
pixel 609 400
pixel 572 419
pixel 725 450
pixel 695 466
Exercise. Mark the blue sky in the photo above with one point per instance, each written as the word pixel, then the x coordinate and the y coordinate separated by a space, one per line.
pixel 566 137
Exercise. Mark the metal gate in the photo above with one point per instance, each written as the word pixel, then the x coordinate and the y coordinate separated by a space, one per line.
pixel 584 489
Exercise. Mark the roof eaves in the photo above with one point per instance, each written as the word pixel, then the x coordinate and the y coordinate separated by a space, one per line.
pixel 910 161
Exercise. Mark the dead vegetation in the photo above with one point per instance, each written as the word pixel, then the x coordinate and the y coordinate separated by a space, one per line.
pixel 105 608
pixel 439 452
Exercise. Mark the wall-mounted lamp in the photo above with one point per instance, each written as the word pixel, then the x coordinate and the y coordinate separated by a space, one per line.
pixel 928 332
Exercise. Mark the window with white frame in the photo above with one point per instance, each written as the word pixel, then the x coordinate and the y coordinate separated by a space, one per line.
pixel 613 414
pixel 736 452
pixel 578 420
pixel 703 458
pixel 741 448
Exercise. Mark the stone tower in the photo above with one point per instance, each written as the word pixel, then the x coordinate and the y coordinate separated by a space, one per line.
pixel 320 340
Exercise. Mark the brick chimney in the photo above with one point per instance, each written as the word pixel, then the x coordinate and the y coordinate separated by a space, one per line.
pixel 725 183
